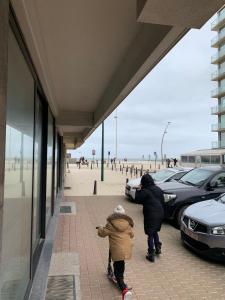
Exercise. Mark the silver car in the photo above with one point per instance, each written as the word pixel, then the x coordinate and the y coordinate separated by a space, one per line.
pixel 164 175
pixel 203 228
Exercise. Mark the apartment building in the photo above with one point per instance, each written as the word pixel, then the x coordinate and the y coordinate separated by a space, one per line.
pixel 218 76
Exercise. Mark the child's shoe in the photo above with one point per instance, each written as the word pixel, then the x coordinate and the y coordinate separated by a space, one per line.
pixel 158 248
pixel 151 256
pixel 126 294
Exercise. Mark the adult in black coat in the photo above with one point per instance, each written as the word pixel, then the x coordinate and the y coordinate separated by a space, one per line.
pixel 151 197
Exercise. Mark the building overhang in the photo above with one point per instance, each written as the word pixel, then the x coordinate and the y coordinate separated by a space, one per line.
pixel 89 55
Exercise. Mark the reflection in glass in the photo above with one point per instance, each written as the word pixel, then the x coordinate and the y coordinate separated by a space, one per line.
pixel 16 239
pixel 37 173
pixel 49 168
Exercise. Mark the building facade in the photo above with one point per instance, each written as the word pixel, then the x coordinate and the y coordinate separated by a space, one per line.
pixel 218 76
pixel 33 166
pixel 63 69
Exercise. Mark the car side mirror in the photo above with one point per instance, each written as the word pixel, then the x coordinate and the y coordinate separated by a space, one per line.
pixel 211 185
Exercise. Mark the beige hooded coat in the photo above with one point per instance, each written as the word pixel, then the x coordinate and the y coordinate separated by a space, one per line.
pixel 119 231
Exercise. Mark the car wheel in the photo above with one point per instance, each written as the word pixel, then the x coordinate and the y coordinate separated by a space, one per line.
pixel 179 215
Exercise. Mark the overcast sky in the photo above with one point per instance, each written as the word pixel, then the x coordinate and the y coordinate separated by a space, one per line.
pixel 176 90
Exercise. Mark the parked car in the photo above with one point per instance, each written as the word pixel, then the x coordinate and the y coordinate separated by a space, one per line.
pixel 165 175
pixel 199 184
pixel 203 228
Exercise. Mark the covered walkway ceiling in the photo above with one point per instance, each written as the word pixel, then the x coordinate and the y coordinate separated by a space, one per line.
pixel 90 54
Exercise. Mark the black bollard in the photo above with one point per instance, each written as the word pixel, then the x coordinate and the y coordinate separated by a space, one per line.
pixel 95 188
pixel 112 167
pixel 91 166
pixel 127 180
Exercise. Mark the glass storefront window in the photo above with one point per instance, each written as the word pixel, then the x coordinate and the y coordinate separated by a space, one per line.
pixel 205 159
pixel 49 168
pixel 184 158
pixel 215 159
pixel 17 209
pixel 37 172
pixel 191 159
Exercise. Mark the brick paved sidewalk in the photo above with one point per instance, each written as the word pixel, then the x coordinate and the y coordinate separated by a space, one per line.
pixel 78 251
pixel 177 274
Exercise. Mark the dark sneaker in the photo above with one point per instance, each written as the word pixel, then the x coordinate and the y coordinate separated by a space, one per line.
pixel 151 256
pixel 158 249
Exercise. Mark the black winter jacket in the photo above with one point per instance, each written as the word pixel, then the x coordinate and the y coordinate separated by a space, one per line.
pixel 151 197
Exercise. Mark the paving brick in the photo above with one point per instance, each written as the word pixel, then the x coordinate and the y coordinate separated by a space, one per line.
pixel 177 274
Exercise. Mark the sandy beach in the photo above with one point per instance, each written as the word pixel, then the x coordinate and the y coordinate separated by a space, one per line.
pixel 114 177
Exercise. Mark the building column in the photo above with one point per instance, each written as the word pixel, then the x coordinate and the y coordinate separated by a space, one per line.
pixel 4 28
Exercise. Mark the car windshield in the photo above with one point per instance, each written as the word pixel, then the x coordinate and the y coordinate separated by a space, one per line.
pixel 162 175
pixel 222 199
pixel 196 177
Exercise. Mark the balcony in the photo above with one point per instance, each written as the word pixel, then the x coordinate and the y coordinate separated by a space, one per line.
pixel 219 57
pixel 218 40
pixel 218 75
pixel 218 92
pixel 219 22
pixel 218 144
pixel 218 127
pixel 219 109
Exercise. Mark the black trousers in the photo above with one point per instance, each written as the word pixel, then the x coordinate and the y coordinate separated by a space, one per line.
pixel 119 268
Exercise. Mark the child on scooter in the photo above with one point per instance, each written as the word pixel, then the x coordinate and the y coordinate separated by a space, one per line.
pixel 119 230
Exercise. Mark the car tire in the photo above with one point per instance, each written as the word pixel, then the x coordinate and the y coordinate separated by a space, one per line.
pixel 179 215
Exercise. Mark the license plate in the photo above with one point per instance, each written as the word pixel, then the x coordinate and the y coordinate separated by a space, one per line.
pixel 193 235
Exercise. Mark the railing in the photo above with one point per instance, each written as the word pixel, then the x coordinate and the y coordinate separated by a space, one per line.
pixel 218 56
pixel 220 20
pixel 218 74
pixel 218 127
pixel 214 110
pixel 218 144
pixel 218 39
pixel 218 92
pixel 217 109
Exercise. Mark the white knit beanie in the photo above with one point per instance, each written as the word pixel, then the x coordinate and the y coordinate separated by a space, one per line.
pixel 119 209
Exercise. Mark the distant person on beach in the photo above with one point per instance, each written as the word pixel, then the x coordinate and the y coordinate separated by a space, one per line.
pixel 119 230
pixel 168 162
pixel 151 197
pixel 175 162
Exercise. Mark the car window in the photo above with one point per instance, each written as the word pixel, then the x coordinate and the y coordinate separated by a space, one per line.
pixel 162 175
pixel 178 176
pixel 196 176
pixel 219 180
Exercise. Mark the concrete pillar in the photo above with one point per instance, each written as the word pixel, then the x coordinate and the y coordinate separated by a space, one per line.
pixel 4 28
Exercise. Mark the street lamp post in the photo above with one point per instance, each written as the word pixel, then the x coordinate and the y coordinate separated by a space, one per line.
pixel 102 156
pixel 116 133
pixel 165 131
